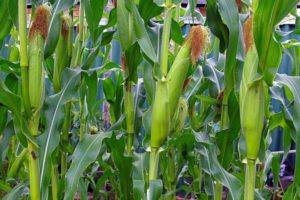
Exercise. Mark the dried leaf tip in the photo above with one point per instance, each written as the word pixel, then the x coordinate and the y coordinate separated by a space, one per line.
pixel 65 26
pixel 199 39
pixel 40 22
pixel 248 33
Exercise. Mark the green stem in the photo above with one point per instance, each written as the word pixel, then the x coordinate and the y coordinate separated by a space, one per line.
pixel 54 181
pixel 198 181
pixel 24 55
pixel 165 41
pixel 177 14
pixel 154 159
pixel 129 114
pixel 224 123
pixel 129 144
pixel 79 40
pixel 82 121
pixel 250 180
pixel 33 161
pixel 65 138
pixel 218 191
pixel 171 177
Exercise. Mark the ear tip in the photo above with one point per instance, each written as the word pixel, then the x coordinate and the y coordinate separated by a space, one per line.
pixel 40 22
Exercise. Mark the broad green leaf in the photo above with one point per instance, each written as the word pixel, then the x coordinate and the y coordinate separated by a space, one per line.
pixel 124 25
pixel 14 103
pixel 85 153
pixel 275 170
pixel 9 67
pixel 93 11
pixel 142 36
pixel 124 165
pixel 155 189
pixel 55 25
pixel 8 133
pixel 138 189
pixel 212 165
pixel 148 10
pixel 92 85
pixel 5 20
pixel 54 112
pixel 216 24
pixel 133 59
pixel 176 33
pixel 107 37
pixel 109 90
pixel 16 193
pixel 293 84
pixel 267 14
pixel 13 11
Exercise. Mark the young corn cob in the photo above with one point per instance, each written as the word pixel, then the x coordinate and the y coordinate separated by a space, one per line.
pixel 180 116
pixel 194 46
pixel 160 115
pixel 252 102
pixel 37 36
pixel 251 96
pixel 61 56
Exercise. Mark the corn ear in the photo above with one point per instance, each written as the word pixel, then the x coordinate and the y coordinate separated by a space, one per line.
pixel 61 56
pixel 160 126
pixel 37 36
pixel 253 118
pixel 252 103
pixel 181 115
pixel 194 46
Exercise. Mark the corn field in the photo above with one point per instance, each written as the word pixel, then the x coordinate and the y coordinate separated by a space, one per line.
pixel 185 110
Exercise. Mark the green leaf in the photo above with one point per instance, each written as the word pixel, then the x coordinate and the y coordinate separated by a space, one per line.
pixel 54 112
pixel 212 165
pixel 8 133
pixel 107 37
pixel 85 153
pixel 142 36
pixel 155 189
pixel 55 25
pixel 216 24
pixel 124 25
pixel 293 84
pixel 93 11
pixel 176 33
pixel 109 89
pixel 267 14
pixel 148 10
pixel 14 103
pixel 9 67
pixel 123 164
pixel 16 193
pixel 275 170
pixel 5 21
pixel 92 85
pixel 13 11
pixel 133 59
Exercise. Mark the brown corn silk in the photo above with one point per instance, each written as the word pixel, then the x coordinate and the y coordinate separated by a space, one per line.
pixel 40 22
pixel 248 33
